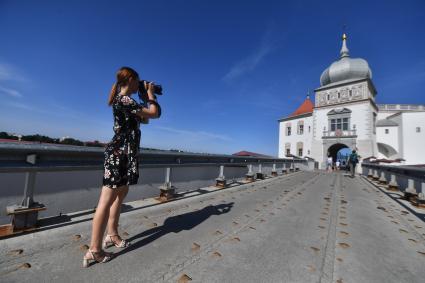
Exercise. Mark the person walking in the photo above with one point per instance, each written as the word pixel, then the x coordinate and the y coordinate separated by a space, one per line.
pixel 329 163
pixel 353 160
pixel 121 167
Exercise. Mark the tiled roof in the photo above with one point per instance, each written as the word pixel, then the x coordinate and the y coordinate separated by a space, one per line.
pixel 306 107
pixel 252 154
pixel 386 123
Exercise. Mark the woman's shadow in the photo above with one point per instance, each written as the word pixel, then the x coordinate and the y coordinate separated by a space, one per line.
pixel 176 224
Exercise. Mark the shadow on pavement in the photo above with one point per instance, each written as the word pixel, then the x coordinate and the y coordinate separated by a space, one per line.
pixel 176 224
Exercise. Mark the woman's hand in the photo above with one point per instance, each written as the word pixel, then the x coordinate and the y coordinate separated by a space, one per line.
pixel 150 87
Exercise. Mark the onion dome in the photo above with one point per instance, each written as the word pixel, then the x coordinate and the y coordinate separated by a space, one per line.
pixel 345 68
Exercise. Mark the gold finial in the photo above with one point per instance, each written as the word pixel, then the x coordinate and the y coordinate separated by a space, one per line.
pixel 344 36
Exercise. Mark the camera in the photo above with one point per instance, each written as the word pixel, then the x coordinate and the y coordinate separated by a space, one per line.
pixel 157 88
pixel 143 96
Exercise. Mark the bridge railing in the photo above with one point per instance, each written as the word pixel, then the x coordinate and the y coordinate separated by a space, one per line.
pixel 34 159
pixel 408 179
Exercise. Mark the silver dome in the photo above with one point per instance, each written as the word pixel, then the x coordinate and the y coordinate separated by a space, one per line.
pixel 345 68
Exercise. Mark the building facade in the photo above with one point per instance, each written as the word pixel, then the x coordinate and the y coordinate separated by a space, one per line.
pixel 345 115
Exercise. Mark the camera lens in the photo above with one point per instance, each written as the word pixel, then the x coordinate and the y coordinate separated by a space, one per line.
pixel 157 88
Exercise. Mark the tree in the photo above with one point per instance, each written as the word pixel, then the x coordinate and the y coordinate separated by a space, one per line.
pixel 38 138
pixel 94 144
pixel 71 141
pixel 4 135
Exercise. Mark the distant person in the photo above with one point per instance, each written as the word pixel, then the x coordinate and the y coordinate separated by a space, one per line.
pixel 353 160
pixel 337 164
pixel 121 167
pixel 329 163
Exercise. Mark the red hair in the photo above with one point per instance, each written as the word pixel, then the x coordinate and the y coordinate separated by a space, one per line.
pixel 123 76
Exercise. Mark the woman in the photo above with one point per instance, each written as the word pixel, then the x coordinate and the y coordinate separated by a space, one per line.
pixel 121 164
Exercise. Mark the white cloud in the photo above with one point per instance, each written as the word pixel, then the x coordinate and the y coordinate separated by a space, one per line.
pixel 10 92
pixel 11 73
pixel 251 62
pixel 20 106
pixel 199 135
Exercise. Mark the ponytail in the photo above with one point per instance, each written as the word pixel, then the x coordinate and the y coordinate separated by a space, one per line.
pixel 112 94
pixel 123 76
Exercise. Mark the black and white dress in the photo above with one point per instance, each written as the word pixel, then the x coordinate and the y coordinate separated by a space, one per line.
pixel 121 163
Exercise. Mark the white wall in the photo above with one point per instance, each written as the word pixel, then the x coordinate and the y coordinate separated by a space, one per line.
pixel 413 143
pixel 390 139
pixel 359 91
pixel 361 116
pixel 295 137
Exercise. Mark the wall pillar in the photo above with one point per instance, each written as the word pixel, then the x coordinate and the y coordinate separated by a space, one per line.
pixel 393 186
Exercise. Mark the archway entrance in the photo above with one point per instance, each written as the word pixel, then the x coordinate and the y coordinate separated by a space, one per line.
pixel 339 151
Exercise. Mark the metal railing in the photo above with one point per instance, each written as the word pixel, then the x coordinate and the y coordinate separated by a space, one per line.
pixel 35 158
pixel 404 107
pixel 407 179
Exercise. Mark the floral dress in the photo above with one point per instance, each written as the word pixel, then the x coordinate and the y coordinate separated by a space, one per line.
pixel 121 163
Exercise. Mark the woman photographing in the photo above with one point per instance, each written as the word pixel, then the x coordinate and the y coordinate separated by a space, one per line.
pixel 121 167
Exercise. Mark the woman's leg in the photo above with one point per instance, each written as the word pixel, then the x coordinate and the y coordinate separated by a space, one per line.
pixel 107 197
pixel 114 212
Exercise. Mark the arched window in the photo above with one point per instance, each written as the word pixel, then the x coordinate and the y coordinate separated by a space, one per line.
pixel 300 127
pixel 287 148
pixel 300 149
pixel 288 129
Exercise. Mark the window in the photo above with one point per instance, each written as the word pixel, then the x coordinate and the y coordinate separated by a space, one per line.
pixel 328 96
pixel 418 129
pixel 301 129
pixel 339 124
pixel 345 124
pixel 339 119
pixel 288 148
pixel 387 131
pixel 374 123
pixel 300 148
pixel 308 152
pixel 309 129
pixel 288 131
pixel 333 125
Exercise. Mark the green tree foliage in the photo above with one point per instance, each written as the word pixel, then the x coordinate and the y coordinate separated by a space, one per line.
pixel 71 141
pixel 4 135
pixel 39 138
pixel 94 144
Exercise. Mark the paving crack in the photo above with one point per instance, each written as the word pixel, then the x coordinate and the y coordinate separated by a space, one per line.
pixel 327 268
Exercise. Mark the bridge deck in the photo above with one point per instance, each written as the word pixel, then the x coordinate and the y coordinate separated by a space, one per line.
pixel 304 227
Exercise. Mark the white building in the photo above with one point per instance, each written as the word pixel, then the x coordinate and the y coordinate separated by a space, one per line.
pixel 345 115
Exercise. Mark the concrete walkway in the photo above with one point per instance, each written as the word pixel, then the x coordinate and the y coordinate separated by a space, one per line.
pixel 303 227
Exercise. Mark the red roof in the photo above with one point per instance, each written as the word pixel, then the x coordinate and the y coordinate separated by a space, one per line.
pixel 252 154
pixel 306 107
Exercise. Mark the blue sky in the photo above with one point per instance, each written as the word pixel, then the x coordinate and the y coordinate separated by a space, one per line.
pixel 229 69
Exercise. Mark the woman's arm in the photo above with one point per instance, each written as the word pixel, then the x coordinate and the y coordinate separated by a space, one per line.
pixel 152 111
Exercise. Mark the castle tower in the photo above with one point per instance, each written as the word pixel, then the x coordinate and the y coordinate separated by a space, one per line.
pixel 345 111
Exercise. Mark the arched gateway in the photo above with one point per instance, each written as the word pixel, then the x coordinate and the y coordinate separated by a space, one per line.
pixel 332 147
pixel 339 151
